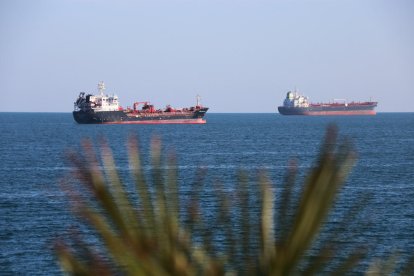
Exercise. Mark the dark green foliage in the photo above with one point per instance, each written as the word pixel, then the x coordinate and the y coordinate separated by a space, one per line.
pixel 148 238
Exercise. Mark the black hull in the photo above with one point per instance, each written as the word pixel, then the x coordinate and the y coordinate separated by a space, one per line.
pixel 121 117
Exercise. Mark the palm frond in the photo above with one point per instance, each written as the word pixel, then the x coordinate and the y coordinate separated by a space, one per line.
pixel 153 237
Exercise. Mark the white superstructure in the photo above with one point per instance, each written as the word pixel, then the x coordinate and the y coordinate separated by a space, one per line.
pixel 294 99
pixel 98 103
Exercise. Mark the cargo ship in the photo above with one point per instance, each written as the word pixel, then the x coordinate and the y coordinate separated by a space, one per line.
pixel 105 109
pixel 296 104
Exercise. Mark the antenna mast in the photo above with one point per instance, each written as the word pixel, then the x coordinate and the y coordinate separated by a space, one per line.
pixel 101 87
pixel 198 100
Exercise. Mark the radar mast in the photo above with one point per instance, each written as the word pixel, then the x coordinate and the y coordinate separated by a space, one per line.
pixel 198 100
pixel 101 87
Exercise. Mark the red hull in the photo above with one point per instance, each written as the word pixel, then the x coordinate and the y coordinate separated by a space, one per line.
pixel 356 112
pixel 158 122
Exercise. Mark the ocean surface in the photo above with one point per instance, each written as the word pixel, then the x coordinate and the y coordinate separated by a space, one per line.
pixel 33 146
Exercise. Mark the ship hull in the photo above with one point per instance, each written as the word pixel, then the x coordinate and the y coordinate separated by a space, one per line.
pixel 121 117
pixel 328 110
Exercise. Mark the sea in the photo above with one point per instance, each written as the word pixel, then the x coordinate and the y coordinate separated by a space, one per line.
pixel 34 210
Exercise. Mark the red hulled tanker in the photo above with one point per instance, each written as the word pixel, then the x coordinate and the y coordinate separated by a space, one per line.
pixel 296 104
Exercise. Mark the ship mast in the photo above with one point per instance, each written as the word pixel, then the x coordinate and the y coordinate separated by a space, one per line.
pixel 101 87
pixel 198 100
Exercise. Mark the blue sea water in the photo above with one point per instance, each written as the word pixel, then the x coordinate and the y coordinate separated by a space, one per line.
pixel 34 210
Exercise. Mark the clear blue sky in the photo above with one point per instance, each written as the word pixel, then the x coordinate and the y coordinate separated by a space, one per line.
pixel 240 56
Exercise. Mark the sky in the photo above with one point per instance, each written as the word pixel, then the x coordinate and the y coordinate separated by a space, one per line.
pixel 239 56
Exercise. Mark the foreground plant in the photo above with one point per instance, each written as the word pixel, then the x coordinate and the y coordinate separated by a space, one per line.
pixel 147 236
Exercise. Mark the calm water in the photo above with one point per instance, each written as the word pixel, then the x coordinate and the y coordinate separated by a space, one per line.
pixel 33 209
